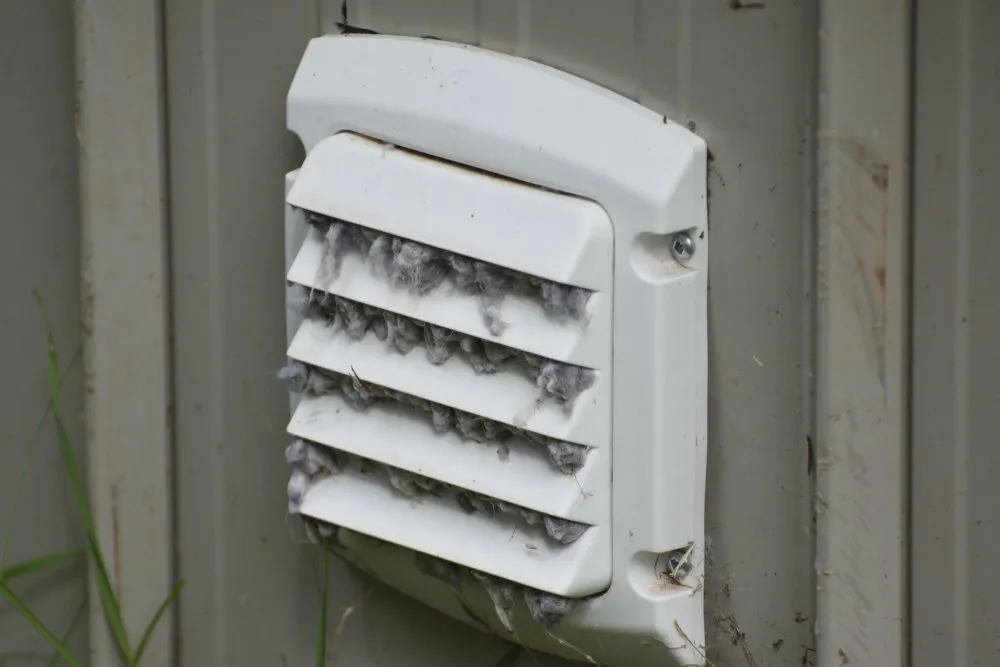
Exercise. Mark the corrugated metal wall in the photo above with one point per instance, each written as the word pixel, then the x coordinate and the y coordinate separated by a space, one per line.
pixel 955 592
pixel 744 77
pixel 40 249
pixel 747 79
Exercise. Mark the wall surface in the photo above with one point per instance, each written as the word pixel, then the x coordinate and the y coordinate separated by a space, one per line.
pixel 746 79
pixel 40 249
pixel 955 593
pixel 743 77
pixel 862 331
pixel 251 596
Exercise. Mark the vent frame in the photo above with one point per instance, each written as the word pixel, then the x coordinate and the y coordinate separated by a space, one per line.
pixel 537 125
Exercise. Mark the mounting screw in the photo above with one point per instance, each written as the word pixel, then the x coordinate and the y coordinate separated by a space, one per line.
pixel 682 246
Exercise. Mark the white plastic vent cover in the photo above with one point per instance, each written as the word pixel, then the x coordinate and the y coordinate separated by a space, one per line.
pixel 498 356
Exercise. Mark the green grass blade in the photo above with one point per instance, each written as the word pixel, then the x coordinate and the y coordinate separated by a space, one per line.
pixel 77 617
pixel 160 611
pixel 323 611
pixel 29 460
pixel 40 628
pixel 40 564
pixel 510 657
pixel 55 391
pixel 109 601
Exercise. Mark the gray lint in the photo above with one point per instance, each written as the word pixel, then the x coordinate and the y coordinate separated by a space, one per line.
pixel 546 609
pixel 563 531
pixel 319 532
pixel 446 571
pixel 489 308
pixel 502 593
pixel 567 457
pixel 312 462
pixel 332 535
pixel 557 381
pixel 298 484
pixel 421 268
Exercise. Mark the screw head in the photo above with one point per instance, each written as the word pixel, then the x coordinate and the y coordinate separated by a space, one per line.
pixel 682 246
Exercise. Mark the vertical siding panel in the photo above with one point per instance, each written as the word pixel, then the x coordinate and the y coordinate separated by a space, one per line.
pixel 252 595
pixel 41 249
pixel 454 20
pixel 955 595
pixel 863 333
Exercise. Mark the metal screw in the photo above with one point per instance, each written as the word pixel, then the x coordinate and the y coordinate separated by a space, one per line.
pixel 682 246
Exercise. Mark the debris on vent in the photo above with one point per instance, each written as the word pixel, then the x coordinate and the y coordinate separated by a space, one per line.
pixel 319 532
pixel 421 269
pixel 309 465
pixel 312 462
pixel 503 594
pixel 546 609
pixel 567 457
pixel 558 381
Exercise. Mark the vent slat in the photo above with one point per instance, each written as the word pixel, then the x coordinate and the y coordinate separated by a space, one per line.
pixel 528 328
pixel 393 435
pixel 404 247
pixel 494 545
pixel 546 234
pixel 506 397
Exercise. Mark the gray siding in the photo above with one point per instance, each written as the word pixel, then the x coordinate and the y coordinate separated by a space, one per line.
pixel 40 249
pixel 747 80
pixel 955 594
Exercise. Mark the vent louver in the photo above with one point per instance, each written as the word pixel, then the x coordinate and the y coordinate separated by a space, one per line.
pixel 480 276
pixel 432 361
